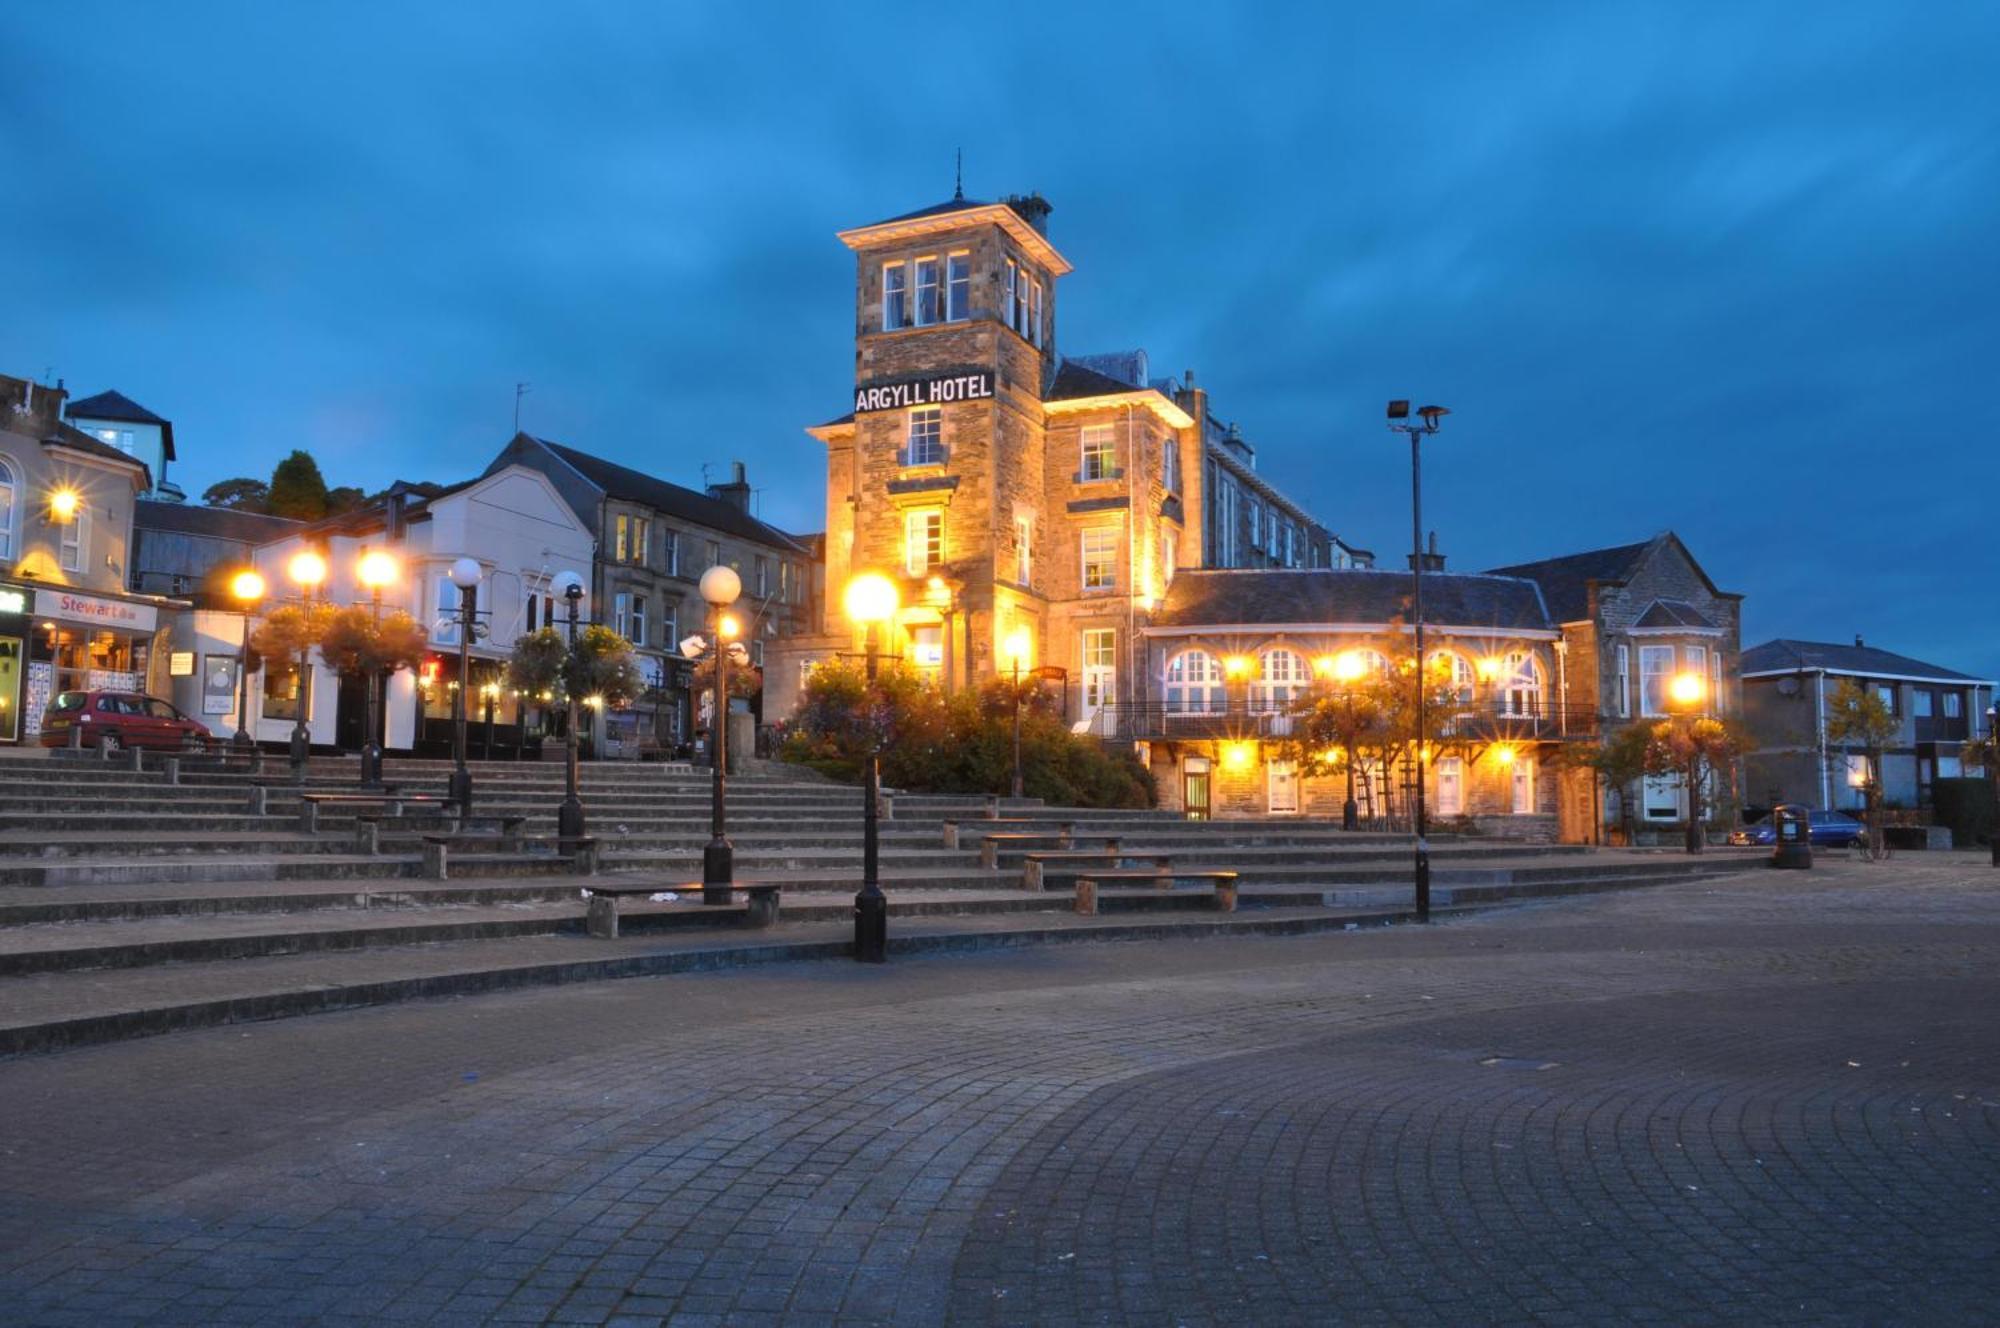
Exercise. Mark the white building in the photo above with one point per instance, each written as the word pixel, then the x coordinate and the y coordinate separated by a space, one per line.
pixel 520 531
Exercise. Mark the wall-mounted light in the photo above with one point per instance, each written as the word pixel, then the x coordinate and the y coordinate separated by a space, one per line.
pixel 64 504
pixel 1238 755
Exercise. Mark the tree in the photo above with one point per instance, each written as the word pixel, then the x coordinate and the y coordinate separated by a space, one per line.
pixel 1333 722
pixel 288 631
pixel 1694 747
pixel 352 642
pixel 298 490
pixel 1857 717
pixel 603 665
pixel 346 498
pixel 1618 761
pixel 241 494
pixel 536 666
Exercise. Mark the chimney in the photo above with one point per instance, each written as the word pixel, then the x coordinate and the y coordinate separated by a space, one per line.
pixel 1433 560
pixel 1032 208
pixel 737 492
pixel 1858 642
pixel 1233 440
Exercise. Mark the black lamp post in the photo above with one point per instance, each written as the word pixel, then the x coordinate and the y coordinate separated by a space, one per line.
pixel 719 586
pixel 1399 422
pixel 1684 698
pixel 871 602
pixel 377 569
pixel 307 570
pixel 247 588
pixel 465 574
pixel 569 816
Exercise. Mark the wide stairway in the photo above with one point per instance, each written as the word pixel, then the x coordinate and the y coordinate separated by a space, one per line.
pixel 139 900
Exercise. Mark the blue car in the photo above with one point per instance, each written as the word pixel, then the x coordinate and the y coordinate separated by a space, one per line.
pixel 1824 829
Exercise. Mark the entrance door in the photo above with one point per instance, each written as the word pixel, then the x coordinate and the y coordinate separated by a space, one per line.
pixel 13 656
pixel 350 712
pixel 1100 674
pixel 1194 787
pixel 1451 786
pixel 1281 787
pixel 1524 785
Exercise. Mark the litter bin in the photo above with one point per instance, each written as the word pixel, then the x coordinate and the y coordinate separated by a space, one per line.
pixel 1792 824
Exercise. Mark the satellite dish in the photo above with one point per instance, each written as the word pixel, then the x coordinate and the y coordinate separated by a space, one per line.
pixel 1788 686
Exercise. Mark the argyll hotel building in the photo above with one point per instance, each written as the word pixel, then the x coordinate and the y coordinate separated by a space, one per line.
pixel 1014 493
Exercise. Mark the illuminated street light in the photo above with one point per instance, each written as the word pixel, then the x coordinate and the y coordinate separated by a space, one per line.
pixel 1399 422
pixel 377 570
pixel 247 589
pixel 720 587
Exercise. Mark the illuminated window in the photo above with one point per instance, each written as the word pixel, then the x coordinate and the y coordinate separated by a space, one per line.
pixel 1454 671
pixel 923 541
pixel 895 296
pixel 1100 454
pixel 1656 666
pixel 927 652
pixel 1194 684
pixel 1521 684
pixel 281 690
pixel 630 536
pixel 1100 558
pixel 9 489
pixel 924 445
pixel 1281 676
pixel 930 291
pixel 958 288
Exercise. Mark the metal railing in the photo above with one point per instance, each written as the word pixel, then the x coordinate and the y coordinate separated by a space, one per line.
pixel 1257 717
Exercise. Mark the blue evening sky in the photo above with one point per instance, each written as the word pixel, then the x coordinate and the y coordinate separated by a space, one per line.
pixel 1727 269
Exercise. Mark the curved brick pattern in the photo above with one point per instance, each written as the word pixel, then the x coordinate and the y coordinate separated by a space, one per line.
pixel 835 1143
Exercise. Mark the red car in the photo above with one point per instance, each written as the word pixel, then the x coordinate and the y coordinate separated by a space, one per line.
pixel 119 719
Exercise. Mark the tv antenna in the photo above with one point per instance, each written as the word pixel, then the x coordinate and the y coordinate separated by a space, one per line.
pixel 520 390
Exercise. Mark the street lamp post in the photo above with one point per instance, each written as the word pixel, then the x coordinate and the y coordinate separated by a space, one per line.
pixel 1399 422
pixel 465 573
pixel 871 602
pixel 569 816
pixel 307 570
pixel 1018 646
pixel 247 588
pixel 376 570
pixel 719 586
pixel 1684 697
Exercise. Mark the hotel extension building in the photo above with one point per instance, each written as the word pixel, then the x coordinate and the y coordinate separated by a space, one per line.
pixel 1015 492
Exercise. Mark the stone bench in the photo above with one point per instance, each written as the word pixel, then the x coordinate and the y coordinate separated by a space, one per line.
pixel 601 916
pixel 1035 867
pixel 953 824
pixel 1223 882
pixel 392 804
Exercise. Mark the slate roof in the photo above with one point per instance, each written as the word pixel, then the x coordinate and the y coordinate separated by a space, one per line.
pixel 634 486
pixel 118 406
pixel 936 210
pixel 1073 380
pixel 1672 613
pixel 1349 595
pixel 214 522
pixel 1565 581
pixel 1785 656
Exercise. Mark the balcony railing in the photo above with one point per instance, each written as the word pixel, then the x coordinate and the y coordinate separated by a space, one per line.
pixel 1257 718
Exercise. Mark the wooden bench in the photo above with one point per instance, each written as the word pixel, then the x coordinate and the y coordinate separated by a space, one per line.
pixel 1035 871
pixel 368 832
pixel 581 854
pixel 953 824
pixel 601 919
pixel 1224 883
pixel 391 802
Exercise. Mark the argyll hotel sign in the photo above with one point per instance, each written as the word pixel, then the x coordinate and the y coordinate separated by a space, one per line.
pixel 938 390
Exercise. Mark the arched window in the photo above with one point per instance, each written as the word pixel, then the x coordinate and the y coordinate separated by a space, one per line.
pixel 1281 676
pixel 1194 684
pixel 1455 671
pixel 1374 661
pixel 9 494
pixel 1520 684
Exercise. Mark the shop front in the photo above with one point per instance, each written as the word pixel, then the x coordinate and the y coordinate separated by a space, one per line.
pixel 15 627
pixel 54 640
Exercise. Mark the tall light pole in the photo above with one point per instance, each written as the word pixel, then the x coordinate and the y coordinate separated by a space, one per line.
pixel 376 570
pixel 247 589
pixel 871 603
pixel 1399 422
pixel 1685 693
pixel 719 586
pixel 465 573
pixel 307 571
pixel 1017 646
pixel 569 816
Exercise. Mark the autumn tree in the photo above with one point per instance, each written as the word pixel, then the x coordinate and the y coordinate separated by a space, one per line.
pixel 1694 747
pixel 353 642
pixel 1857 717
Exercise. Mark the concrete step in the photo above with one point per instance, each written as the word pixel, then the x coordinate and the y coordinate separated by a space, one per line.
pixel 201 868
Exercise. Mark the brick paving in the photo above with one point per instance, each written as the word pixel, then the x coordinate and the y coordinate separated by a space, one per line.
pixel 1770 1099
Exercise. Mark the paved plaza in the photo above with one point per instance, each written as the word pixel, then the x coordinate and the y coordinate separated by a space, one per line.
pixel 1773 1099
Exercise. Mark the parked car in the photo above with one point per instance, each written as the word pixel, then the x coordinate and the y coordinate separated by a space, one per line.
pixel 1824 829
pixel 113 720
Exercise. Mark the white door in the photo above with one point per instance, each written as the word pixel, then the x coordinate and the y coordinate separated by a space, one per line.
pixel 1451 786
pixel 1100 673
pixel 1281 781
pixel 1524 785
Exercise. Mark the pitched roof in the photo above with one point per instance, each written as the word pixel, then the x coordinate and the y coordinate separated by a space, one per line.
pixel 1073 380
pixel 118 406
pixel 1786 656
pixel 960 204
pixel 76 440
pixel 635 486
pixel 1349 595
pixel 1565 581
pixel 1672 613
pixel 215 522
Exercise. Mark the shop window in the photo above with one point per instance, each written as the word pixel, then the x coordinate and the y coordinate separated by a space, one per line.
pixel 281 690
pixel 923 541
pixel 923 445
pixel 1099 455
pixel 1100 558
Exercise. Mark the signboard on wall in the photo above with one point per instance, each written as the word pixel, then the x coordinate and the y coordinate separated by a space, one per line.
pixel 69 606
pixel 936 390
pixel 180 664
pixel 13 601
pixel 218 684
